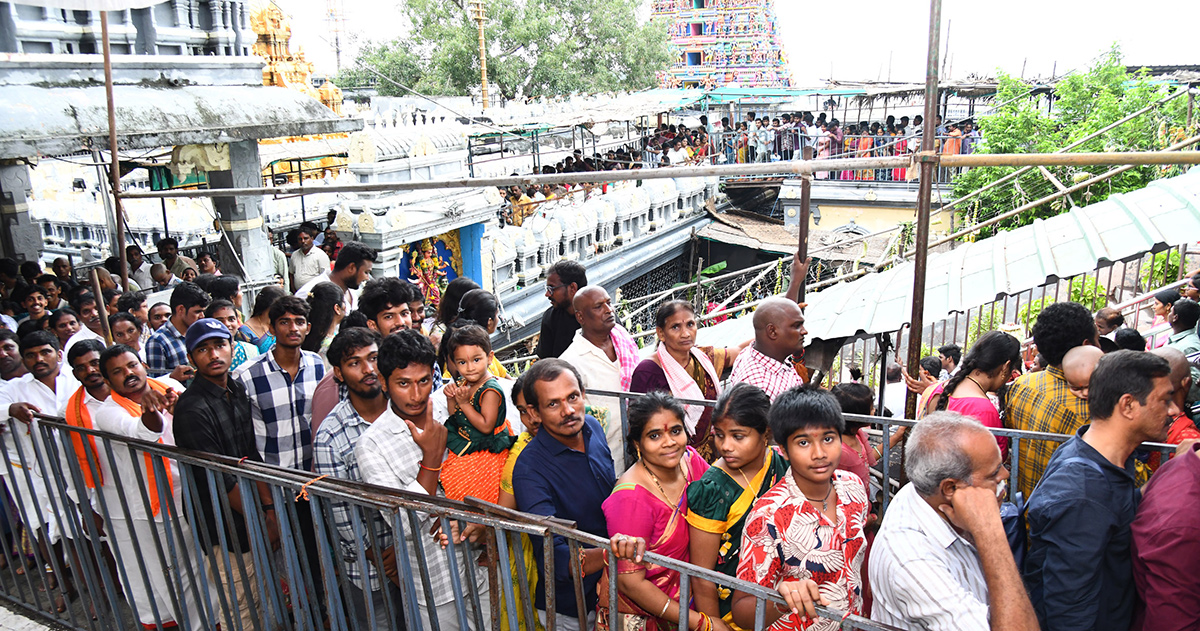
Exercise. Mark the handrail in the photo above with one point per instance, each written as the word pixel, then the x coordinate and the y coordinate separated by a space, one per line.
pixel 183 553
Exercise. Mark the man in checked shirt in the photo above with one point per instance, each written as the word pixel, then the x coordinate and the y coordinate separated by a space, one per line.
pixel 280 385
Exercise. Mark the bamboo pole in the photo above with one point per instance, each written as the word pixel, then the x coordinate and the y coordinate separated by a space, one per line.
pixel 100 307
pixel 794 168
pixel 114 171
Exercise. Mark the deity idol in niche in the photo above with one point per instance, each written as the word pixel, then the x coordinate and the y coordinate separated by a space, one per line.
pixel 429 274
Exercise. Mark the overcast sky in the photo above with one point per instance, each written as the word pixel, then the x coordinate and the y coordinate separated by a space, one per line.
pixel 983 36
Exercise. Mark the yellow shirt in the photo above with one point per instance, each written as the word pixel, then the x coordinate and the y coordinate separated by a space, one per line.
pixel 1042 402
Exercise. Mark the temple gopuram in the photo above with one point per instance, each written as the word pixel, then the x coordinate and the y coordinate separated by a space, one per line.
pixel 285 68
pixel 717 43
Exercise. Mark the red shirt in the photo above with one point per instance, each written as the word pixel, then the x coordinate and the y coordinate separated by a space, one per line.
pixel 1166 549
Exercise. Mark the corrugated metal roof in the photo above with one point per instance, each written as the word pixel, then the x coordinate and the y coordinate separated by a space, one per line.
pixel 1164 214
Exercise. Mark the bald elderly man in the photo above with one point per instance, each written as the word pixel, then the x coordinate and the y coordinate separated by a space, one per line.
pixel 1182 428
pixel 778 334
pixel 605 355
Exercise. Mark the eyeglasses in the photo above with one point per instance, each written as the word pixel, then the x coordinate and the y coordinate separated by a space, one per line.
pixel 553 288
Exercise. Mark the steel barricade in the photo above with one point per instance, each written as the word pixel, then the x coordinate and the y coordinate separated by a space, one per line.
pixel 252 561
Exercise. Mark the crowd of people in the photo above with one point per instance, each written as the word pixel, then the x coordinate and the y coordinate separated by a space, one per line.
pixel 756 138
pixel 357 378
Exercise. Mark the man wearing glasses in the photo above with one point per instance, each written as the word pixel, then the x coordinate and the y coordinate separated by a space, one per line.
pixel 559 324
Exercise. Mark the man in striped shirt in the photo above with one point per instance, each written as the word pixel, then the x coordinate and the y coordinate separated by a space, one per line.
pixel 941 560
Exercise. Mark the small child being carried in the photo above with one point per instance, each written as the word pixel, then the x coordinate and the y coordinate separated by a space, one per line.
pixel 478 436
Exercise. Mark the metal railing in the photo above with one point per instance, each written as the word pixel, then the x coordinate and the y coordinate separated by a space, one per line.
pixel 787 144
pixel 885 426
pixel 173 570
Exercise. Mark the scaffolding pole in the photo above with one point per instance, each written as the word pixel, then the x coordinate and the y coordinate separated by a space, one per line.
pixel 793 168
pixel 114 171
pixel 928 161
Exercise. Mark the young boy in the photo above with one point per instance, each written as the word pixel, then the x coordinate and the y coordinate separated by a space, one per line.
pixel 804 537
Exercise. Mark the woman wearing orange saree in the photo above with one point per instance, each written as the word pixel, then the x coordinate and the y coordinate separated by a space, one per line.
pixel 649 504
pixel 847 145
pixel 866 143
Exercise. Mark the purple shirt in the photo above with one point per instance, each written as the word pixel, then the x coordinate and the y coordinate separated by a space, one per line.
pixel 1166 549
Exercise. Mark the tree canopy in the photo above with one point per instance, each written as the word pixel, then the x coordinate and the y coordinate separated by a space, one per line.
pixel 1083 103
pixel 534 48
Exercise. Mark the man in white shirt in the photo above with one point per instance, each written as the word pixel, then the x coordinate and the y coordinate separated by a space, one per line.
pixel 89 318
pixel 44 389
pixel 403 449
pixel 895 392
pixel 605 355
pixel 139 407
pixel 351 269
pixel 139 269
pixel 307 262
pixel 941 560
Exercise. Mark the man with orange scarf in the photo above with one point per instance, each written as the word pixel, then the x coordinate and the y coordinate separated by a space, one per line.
pixel 141 408
pixel 79 410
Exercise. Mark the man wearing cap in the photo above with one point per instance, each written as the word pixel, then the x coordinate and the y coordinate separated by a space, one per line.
pixel 213 415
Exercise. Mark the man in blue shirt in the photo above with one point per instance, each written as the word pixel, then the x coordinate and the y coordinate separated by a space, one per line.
pixel 566 472
pixel 1079 567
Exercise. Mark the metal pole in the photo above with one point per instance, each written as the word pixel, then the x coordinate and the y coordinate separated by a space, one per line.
pixel 795 167
pixel 483 84
pixel 805 213
pixel 114 171
pixel 166 230
pixel 924 196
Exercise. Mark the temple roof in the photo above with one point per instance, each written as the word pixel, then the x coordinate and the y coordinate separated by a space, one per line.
pixel 55 105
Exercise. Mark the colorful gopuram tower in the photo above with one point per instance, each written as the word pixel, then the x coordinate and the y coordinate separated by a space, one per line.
pixel 716 43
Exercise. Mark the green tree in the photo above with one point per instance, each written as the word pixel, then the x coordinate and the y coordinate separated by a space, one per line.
pixel 534 48
pixel 1084 103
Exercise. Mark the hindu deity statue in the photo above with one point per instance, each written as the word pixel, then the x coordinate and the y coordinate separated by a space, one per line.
pixel 429 274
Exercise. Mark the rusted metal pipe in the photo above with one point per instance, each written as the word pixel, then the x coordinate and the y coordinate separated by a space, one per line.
pixel 805 215
pixel 924 200
pixel 796 168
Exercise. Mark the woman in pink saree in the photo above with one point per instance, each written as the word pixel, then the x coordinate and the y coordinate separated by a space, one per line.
pixel 648 510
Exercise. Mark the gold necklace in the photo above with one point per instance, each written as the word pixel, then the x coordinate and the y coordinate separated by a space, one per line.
pixel 742 472
pixel 659 484
pixel 981 388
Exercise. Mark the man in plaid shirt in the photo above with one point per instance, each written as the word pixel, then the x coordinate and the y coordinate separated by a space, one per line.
pixel 778 333
pixel 166 351
pixel 404 449
pixel 353 355
pixel 1042 401
pixel 280 384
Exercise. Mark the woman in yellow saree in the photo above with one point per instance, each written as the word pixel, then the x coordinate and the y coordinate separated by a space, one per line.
pixel 719 501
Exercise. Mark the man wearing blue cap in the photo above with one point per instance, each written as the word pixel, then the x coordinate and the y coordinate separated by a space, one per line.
pixel 213 415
